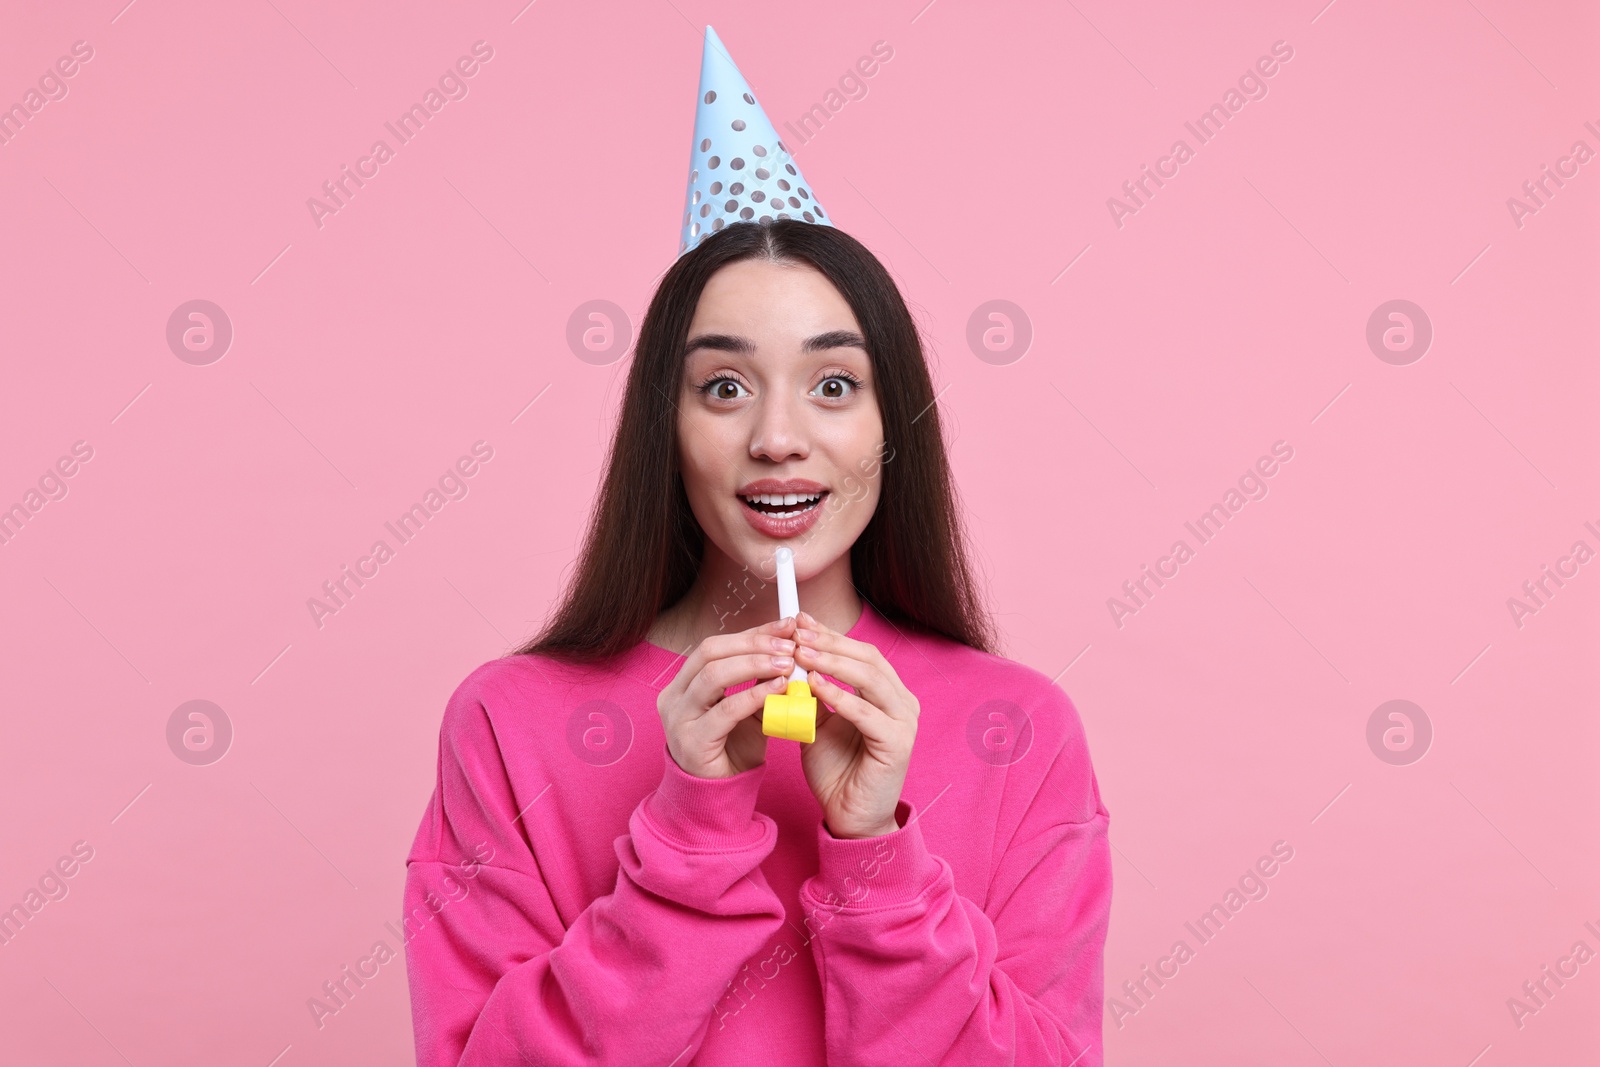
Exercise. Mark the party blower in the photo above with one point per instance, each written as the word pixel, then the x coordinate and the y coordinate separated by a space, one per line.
pixel 791 714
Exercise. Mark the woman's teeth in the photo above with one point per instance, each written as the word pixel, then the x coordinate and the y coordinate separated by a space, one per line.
pixel 783 505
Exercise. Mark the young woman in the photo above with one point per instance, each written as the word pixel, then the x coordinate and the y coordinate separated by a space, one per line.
pixel 618 867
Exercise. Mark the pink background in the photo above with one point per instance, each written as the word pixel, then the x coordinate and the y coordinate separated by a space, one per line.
pixel 1228 313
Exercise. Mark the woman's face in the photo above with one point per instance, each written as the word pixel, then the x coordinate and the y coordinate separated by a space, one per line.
pixel 779 433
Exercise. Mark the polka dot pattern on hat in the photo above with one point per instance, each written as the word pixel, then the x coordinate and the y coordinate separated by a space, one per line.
pixel 734 141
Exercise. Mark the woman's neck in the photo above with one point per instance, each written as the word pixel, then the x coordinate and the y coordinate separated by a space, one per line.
pixel 728 597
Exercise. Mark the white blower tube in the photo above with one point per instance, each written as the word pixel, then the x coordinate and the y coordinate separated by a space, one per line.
pixel 789 599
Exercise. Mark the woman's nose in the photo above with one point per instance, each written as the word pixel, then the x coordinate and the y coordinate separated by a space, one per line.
pixel 779 431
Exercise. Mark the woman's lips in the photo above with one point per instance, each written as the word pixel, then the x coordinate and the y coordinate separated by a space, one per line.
pixel 798 519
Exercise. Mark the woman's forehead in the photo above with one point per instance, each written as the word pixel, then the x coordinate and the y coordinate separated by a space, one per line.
pixel 753 294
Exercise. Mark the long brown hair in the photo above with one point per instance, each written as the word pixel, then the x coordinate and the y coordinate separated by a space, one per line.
pixel 643 547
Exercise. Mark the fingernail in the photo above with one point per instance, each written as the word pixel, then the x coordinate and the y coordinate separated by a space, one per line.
pixel 783 663
pixel 783 644
pixel 779 683
pixel 806 635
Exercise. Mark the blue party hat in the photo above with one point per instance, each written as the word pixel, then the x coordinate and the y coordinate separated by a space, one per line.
pixel 738 168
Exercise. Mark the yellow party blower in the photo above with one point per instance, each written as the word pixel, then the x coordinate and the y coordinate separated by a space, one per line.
pixel 791 714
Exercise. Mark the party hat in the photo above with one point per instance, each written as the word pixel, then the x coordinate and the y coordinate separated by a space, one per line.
pixel 738 168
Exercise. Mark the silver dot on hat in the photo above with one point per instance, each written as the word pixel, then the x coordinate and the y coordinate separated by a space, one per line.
pixel 732 129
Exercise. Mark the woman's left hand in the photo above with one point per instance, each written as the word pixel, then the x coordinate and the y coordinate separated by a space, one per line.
pixel 857 764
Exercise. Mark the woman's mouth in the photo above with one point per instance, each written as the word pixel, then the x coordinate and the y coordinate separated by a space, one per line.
pixel 783 505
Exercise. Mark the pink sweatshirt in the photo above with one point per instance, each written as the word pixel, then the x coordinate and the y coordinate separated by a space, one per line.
pixel 574 897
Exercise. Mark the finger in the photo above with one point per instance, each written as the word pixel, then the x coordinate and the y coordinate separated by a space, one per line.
pixel 829 640
pixel 763 638
pixel 876 677
pixel 873 723
pixel 707 687
pixel 865 677
pixel 733 709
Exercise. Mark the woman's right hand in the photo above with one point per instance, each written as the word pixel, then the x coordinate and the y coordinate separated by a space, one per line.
pixel 715 736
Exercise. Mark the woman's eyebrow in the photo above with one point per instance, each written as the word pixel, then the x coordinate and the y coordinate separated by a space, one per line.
pixel 835 339
pixel 725 342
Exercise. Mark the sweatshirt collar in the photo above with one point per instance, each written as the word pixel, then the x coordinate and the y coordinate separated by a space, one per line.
pixel 656 666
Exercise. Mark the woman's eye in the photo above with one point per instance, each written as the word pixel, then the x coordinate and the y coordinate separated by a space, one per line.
pixel 722 388
pixel 837 386
pixel 833 387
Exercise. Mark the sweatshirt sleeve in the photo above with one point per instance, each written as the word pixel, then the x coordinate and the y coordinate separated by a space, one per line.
pixel 495 976
pixel 914 972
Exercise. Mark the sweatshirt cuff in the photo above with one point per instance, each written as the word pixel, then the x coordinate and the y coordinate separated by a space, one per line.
pixel 707 813
pixel 867 873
